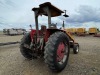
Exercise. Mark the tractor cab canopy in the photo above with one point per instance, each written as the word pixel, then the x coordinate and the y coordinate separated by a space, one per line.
pixel 47 8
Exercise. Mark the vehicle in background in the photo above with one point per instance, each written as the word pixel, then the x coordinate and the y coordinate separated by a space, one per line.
pixel 14 31
pixel 93 30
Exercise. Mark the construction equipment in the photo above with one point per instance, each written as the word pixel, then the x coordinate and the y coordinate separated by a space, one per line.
pixel 81 31
pixel 93 31
pixel 71 30
pixel 52 43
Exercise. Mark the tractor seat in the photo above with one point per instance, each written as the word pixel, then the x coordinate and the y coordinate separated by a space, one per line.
pixel 43 29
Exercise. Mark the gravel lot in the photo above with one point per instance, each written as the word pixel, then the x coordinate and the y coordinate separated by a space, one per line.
pixel 87 62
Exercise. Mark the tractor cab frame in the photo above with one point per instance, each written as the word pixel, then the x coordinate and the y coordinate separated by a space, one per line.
pixel 48 10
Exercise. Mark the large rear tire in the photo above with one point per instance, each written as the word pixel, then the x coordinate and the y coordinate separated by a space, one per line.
pixel 56 52
pixel 26 52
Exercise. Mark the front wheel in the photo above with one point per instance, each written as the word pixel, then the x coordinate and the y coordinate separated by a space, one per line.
pixel 26 52
pixel 76 48
pixel 57 51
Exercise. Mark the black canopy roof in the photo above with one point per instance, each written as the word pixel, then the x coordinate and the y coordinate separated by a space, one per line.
pixel 53 10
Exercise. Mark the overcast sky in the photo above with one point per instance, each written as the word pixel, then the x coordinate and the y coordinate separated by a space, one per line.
pixel 18 14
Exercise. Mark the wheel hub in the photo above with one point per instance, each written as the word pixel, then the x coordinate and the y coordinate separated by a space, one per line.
pixel 77 49
pixel 61 53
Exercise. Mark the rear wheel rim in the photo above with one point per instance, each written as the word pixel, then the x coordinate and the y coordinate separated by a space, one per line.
pixel 62 53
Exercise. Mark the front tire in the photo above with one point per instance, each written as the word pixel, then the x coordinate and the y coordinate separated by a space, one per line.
pixel 26 52
pixel 76 48
pixel 57 51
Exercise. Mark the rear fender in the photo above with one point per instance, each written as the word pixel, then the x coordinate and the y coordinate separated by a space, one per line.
pixel 32 34
pixel 50 32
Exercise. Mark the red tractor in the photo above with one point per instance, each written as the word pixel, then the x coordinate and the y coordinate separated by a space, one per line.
pixel 51 43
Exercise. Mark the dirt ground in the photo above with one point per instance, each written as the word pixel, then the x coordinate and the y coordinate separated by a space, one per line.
pixel 87 62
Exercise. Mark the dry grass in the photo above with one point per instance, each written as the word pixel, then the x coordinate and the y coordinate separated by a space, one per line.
pixel 6 38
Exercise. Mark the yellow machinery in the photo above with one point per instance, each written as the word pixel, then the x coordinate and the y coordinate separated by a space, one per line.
pixel 93 30
pixel 81 31
pixel 71 30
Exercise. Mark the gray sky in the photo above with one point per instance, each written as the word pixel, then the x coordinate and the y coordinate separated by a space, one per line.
pixel 17 13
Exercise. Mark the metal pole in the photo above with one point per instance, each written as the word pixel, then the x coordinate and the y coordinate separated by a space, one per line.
pixel 46 9
pixel 49 19
pixel 36 23
pixel 63 25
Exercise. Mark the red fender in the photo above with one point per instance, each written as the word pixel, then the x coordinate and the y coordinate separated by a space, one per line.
pixel 47 34
pixel 50 32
